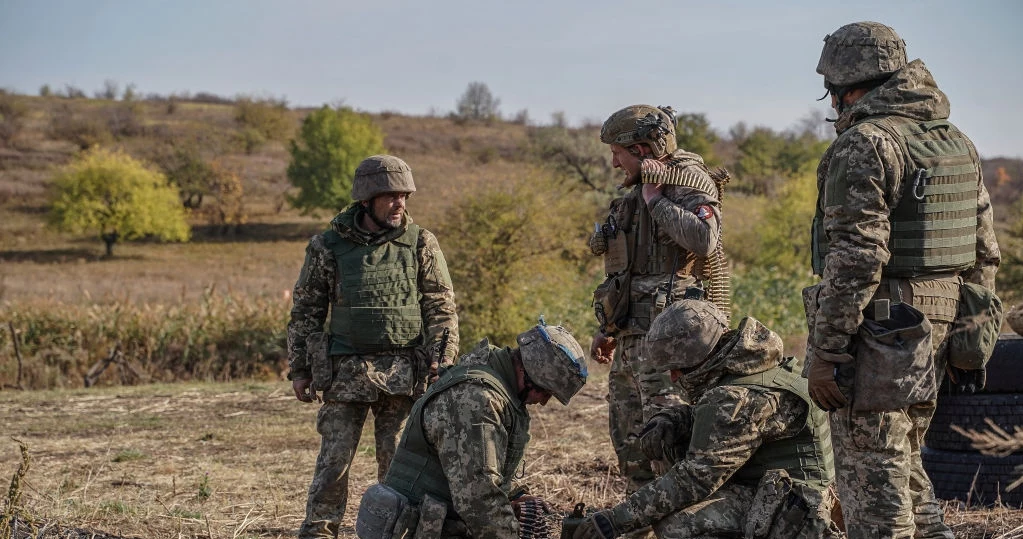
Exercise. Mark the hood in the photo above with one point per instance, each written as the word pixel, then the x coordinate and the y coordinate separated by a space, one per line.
pixel 910 92
pixel 346 224
pixel 748 349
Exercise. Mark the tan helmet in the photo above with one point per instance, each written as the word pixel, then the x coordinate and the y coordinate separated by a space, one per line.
pixel 380 174
pixel 553 360
pixel 684 335
pixel 861 52
pixel 642 124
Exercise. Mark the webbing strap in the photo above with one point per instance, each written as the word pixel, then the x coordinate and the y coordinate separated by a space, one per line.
pixel 934 243
pixel 937 224
pixel 950 189
pixel 935 207
pixel 938 260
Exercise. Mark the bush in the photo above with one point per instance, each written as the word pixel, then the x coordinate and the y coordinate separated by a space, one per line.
pixel 12 117
pixel 772 295
pixel 269 118
pixel 79 129
pixel 477 103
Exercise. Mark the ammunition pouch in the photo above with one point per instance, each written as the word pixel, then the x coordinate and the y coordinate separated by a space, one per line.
pixel 975 331
pixel 317 346
pixel 616 255
pixel 611 303
pixel 784 509
pixel 894 361
pixel 385 513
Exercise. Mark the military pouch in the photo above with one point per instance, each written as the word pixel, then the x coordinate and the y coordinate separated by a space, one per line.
pixel 975 331
pixel 784 509
pixel 432 513
pixel 894 361
pixel 611 303
pixel 317 349
pixel 616 257
pixel 385 513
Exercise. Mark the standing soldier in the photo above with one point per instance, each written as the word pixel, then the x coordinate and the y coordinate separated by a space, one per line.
pixel 466 439
pixel 385 285
pixel 657 241
pixel 903 219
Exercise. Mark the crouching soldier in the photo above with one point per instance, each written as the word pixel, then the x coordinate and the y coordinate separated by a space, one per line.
pixel 452 471
pixel 751 458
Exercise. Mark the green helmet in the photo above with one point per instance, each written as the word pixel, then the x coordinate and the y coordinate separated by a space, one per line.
pixel 380 174
pixel 861 52
pixel 642 124
pixel 684 335
pixel 553 360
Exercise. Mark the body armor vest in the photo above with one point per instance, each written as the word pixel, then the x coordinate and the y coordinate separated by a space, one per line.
pixel 632 241
pixel 416 469
pixel 934 224
pixel 379 300
pixel 807 456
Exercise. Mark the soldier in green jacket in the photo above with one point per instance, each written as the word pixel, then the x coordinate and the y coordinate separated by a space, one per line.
pixel 752 429
pixel 380 284
pixel 466 438
pixel 902 220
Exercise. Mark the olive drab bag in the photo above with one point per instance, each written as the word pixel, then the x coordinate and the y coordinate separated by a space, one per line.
pixel 975 331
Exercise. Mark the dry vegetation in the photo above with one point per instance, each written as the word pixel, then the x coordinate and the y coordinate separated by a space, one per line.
pixel 227 458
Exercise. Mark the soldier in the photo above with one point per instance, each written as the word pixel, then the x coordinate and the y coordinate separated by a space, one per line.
pixel 467 436
pixel 902 219
pixel 750 445
pixel 384 282
pixel 656 243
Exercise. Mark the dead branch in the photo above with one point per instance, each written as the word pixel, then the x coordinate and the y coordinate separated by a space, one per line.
pixel 994 441
pixel 17 356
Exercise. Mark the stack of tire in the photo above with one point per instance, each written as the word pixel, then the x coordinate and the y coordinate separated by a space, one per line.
pixel 957 470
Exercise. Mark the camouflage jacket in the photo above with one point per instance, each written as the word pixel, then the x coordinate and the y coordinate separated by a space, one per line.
pixel 360 378
pixel 468 425
pixel 738 420
pixel 677 219
pixel 870 164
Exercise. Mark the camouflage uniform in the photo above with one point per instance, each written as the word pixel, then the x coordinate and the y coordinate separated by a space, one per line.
pixel 861 182
pixel 709 492
pixel 384 382
pixel 685 219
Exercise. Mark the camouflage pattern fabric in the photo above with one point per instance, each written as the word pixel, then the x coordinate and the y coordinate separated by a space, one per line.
pixel 634 394
pixel 697 491
pixel 860 178
pixel 385 380
pixel 340 427
pixel 468 426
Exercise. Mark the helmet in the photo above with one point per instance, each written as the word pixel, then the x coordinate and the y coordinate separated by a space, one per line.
pixel 642 124
pixel 553 360
pixel 861 52
pixel 684 335
pixel 380 174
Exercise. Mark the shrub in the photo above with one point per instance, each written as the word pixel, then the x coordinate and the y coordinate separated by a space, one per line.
pixel 12 117
pixel 268 117
pixel 477 103
pixel 79 129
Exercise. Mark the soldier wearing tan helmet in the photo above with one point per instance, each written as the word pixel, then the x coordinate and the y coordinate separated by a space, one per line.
pixel 902 219
pixel 751 454
pixel 466 439
pixel 660 239
pixel 380 284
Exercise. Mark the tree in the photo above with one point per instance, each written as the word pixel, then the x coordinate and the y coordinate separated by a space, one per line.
pixel 577 154
pixel 477 103
pixel 693 133
pixel 111 194
pixel 330 145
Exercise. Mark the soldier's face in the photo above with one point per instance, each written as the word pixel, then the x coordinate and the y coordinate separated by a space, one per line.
pixel 388 209
pixel 628 161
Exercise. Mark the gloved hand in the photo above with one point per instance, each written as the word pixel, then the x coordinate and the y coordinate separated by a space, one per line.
pixel 596 526
pixel 426 358
pixel 658 434
pixel 824 391
pixel 602 349
pixel 967 382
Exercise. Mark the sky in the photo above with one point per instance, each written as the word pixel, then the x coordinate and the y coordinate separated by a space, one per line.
pixel 734 61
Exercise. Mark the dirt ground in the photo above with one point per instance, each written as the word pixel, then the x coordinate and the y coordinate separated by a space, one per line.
pixel 233 460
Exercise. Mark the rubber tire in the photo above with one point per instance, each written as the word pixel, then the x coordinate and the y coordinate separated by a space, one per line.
pixel 1005 369
pixel 981 479
pixel 968 412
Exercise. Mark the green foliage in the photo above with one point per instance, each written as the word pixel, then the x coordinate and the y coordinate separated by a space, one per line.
pixel 185 168
pixel 221 338
pixel 515 251
pixel 330 145
pixel 784 233
pixel 766 158
pixel 693 133
pixel 127 455
pixel 771 295
pixel 267 117
pixel 205 490
pixel 116 197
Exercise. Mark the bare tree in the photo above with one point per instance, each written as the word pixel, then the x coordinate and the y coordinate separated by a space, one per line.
pixel 477 103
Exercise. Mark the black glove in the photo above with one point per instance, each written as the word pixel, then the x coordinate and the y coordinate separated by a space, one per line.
pixel 596 526
pixel 967 382
pixel 658 433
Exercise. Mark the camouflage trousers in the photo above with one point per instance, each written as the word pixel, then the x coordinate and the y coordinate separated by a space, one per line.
pixel 340 427
pixel 634 396
pixel 721 515
pixel 881 482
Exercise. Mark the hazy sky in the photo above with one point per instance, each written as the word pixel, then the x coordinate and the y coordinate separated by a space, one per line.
pixel 750 61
